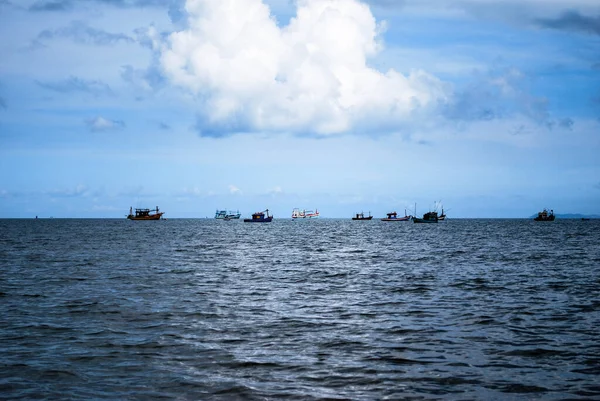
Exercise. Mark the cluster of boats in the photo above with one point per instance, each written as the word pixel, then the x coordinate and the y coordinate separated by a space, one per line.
pixel 265 217
pixel 429 217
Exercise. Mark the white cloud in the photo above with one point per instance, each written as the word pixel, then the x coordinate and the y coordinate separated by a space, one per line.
pixel 99 124
pixel 234 190
pixel 275 191
pixel 309 76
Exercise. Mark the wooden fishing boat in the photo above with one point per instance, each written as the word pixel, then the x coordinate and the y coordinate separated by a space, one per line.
pixel 545 216
pixel 394 217
pixel 227 215
pixel 144 214
pixel 429 217
pixel 361 216
pixel 304 214
pixel 259 217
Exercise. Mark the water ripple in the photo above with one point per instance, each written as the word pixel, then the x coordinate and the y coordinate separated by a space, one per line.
pixel 311 310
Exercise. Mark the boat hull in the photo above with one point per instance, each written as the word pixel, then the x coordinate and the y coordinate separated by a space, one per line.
pixel 549 218
pixel 417 220
pixel 152 217
pixel 362 218
pixel 265 220
pixel 408 218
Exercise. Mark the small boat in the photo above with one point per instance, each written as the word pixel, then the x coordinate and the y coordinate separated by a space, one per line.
pixel 361 216
pixel 304 214
pixel 144 214
pixel 259 217
pixel 442 216
pixel 394 217
pixel 545 216
pixel 429 217
pixel 582 219
pixel 227 215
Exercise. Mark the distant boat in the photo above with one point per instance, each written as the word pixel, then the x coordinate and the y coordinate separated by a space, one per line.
pixel 361 216
pixel 394 217
pixel 442 216
pixel 545 216
pixel 304 214
pixel 582 219
pixel 145 214
pixel 259 217
pixel 227 215
pixel 429 217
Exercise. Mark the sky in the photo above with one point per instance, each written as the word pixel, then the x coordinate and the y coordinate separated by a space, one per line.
pixel 489 108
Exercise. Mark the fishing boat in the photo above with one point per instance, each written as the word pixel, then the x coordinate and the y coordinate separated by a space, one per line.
pixel 429 217
pixel 304 214
pixel 144 214
pixel 227 215
pixel 259 217
pixel 442 216
pixel 545 216
pixel 361 216
pixel 394 217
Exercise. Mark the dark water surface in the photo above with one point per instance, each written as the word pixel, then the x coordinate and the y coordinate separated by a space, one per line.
pixel 317 309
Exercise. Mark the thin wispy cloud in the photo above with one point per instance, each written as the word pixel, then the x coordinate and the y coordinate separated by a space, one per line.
pixel 3 104
pixel 101 124
pixel 234 190
pixel 75 84
pixel 82 33
pixel 64 5
pixel 164 126
pixel 79 191
pixel 573 21
pixel 144 79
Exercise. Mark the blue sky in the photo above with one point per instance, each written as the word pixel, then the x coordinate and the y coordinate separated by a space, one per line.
pixel 492 108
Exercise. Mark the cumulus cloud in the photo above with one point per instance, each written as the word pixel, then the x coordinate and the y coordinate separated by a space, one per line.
pixel 311 76
pixel 101 124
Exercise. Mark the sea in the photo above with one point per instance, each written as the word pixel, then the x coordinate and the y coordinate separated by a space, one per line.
pixel 322 309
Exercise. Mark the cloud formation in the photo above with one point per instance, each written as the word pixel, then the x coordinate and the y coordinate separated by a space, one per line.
pixel 75 84
pixel 311 76
pixel 101 124
pixel 79 190
pixel 573 21
pixel 234 190
pixel 81 33
pixel 60 5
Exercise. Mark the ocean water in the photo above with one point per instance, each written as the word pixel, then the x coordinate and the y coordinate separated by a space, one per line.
pixel 332 309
